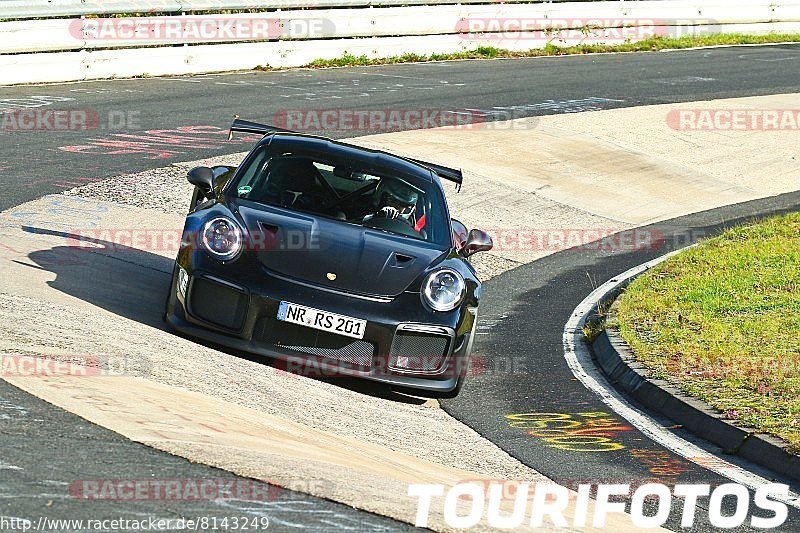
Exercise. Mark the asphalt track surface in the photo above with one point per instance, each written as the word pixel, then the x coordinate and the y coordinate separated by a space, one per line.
pixel 524 310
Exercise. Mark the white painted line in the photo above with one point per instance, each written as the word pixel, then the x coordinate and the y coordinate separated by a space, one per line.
pixel 387 75
pixel 776 60
pixel 715 46
pixel 8 466
pixel 580 362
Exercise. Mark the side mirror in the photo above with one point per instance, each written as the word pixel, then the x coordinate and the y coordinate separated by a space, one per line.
pixel 460 233
pixel 202 178
pixel 477 241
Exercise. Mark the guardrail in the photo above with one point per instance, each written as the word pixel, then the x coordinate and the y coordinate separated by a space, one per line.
pixel 18 9
pixel 66 40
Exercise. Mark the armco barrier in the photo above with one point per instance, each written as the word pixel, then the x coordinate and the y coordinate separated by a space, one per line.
pixel 66 49
pixel 21 9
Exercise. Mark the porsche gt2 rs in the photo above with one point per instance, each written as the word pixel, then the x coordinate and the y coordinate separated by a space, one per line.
pixel 331 257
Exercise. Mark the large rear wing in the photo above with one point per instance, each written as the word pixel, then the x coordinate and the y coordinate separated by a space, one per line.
pixel 245 126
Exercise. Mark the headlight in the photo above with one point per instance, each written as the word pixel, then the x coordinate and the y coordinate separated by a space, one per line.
pixel 443 289
pixel 222 238
pixel 183 281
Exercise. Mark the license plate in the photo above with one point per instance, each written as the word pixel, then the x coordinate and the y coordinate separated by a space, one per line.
pixel 322 320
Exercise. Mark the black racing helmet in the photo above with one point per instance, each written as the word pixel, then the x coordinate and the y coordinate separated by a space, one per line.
pixel 396 193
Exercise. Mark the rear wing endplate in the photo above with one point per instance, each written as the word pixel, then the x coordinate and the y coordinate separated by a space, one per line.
pixel 245 126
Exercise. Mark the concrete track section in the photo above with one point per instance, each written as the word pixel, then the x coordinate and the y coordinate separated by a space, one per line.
pixel 98 301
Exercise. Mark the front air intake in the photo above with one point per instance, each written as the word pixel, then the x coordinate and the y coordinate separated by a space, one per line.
pixel 218 303
pixel 419 350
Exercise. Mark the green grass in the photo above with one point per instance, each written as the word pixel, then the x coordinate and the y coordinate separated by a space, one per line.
pixel 723 321
pixel 488 52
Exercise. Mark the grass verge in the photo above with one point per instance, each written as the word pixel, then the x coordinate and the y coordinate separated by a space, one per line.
pixel 488 52
pixel 723 321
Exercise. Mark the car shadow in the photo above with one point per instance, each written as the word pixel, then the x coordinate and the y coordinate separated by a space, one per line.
pixel 133 284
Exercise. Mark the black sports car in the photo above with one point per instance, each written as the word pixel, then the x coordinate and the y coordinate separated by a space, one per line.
pixel 334 258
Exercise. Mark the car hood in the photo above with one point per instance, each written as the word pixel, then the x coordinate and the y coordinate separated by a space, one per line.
pixel 334 254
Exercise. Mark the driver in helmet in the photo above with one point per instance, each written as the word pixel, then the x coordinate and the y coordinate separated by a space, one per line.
pixel 396 200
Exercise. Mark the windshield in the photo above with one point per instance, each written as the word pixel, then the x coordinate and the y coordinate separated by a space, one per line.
pixel 346 191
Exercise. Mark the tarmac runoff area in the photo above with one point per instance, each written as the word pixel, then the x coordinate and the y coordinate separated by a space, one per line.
pixel 597 172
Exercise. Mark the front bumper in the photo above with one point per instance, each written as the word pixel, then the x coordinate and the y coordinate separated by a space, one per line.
pixel 245 318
